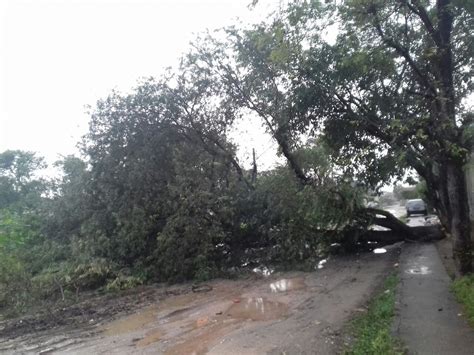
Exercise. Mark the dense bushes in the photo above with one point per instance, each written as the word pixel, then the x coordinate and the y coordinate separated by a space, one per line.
pixel 303 221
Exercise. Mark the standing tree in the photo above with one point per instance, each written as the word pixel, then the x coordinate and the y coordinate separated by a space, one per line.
pixel 388 95
pixel 406 71
pixel 19 185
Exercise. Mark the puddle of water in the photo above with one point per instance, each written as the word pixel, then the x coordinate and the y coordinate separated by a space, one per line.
pixel 131 323
pixel 421 270
pixel 151 337
pixel 380 251
pixel 149 315
pixel 257 309
pixel 285 285
pixel 205 331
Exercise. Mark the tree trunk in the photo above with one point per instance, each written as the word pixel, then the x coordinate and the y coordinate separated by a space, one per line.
pixel 455 184
pixel 451 196
pixel 460 220
pixel 444 208
pixel 282 141
pixel 418 234
pixel 254 168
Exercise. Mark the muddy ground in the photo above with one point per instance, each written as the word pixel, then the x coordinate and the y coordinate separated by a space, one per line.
pixel 285 313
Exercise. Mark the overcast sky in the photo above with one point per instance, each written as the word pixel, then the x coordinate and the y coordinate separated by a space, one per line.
pixel 57 56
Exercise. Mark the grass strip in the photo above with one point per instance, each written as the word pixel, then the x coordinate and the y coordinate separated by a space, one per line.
pixel 371 331
pixel 464 290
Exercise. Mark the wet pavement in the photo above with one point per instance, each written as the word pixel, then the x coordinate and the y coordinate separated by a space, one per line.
pixel 429 320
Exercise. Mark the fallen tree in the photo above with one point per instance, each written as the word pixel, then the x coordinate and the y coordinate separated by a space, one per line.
pixel 417 234
pixel 387 220
pixel 398 231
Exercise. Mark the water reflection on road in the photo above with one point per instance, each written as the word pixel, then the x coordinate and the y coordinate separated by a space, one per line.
pixel 257 309
pixel 285 285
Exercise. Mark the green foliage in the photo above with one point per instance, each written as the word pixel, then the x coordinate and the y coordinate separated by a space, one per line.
pixel 20 221
pixel 166 199
pixel 15 228
pixel 302 221
pixel 161 195
pixel 19 186
pixel 187 245
pixel 464 290
pixel 14 283
pixel 372 330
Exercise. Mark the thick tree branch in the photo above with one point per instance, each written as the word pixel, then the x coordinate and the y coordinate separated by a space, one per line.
pixel 203 136
pixel 420 11
pixel 277 133
pixel 402 51
pixel 388 221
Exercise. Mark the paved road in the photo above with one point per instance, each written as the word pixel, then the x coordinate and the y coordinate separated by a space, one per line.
pixel 429 318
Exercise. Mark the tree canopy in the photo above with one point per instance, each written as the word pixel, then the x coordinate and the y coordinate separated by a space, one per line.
pixel 388 95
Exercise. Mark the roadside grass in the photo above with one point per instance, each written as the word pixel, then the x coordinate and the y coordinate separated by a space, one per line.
pixel 464 290
pixel 371 331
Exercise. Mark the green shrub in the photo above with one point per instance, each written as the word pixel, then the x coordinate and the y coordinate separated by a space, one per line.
pixel 91 275
pixel 15 284
pixel 464 291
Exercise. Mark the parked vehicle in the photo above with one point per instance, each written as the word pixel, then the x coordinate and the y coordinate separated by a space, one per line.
pixel 416 206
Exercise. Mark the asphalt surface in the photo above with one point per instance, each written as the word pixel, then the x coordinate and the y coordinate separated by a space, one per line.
pixel 429 320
